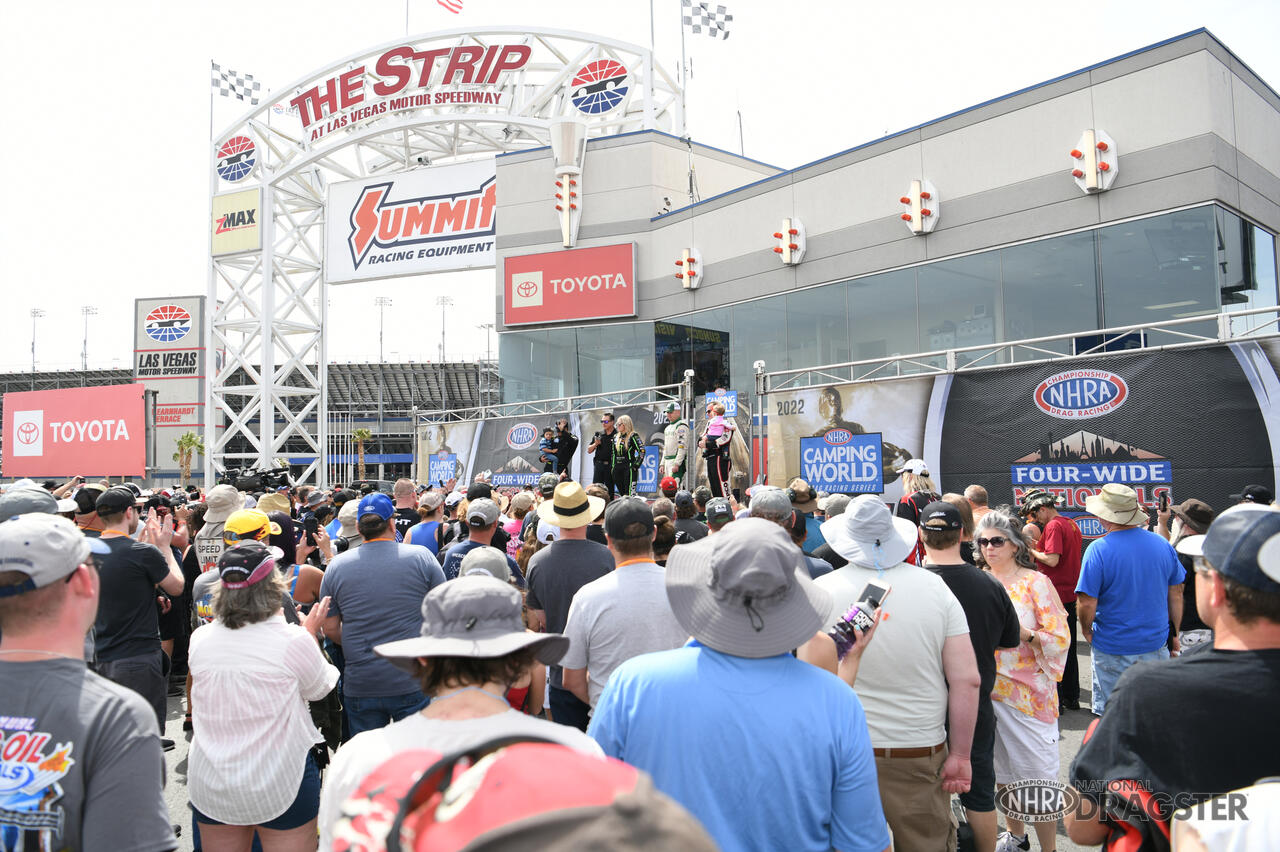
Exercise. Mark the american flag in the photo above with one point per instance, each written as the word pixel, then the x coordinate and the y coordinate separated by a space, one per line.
pixel 701 17
pixel 454 6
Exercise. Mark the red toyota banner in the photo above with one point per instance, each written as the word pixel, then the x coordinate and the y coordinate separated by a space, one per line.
pixel 89 431
pixel 577 284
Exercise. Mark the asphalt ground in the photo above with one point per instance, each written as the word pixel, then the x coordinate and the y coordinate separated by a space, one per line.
pixel 1072 726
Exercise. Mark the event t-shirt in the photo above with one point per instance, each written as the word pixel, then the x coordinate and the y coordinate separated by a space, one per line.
pixel 202 596
pixel 453 560
pixel 1130 571
pixel 622 615
pixel 370 749
pixel 993 622
pixel 91 773
pixel 900 678
pixel 1062 536
pixel 556 573
pixel 377 591
pixel 406 519
pixel 1196 726
pixel 208 545
pixel 127 624
pixel 691 528
pixel 768 753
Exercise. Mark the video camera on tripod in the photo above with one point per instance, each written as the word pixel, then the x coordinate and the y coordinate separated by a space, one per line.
pixel 252 480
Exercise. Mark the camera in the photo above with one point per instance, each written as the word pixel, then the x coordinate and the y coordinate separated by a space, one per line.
pixel 252 480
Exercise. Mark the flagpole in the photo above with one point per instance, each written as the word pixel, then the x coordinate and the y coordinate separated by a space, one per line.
pixel 210 100
pixel 684 94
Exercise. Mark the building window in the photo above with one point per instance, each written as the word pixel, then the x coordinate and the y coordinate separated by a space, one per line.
pixel 1050 287
pixel 960 304
pixel 882 315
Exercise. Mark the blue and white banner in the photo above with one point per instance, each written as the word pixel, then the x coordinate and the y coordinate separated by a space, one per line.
pixel 841 462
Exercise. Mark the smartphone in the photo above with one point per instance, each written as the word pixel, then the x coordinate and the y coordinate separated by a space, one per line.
pixel 1164 502
pixel 311 525
pixel 860 616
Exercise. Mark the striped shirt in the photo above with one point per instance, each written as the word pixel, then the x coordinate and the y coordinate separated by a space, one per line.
pixel 253 728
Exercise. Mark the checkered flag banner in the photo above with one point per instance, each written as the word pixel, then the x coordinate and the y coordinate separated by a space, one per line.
pixel 701 18
pixel 232 85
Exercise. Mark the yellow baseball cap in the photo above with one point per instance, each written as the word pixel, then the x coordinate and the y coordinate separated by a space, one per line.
pixel 248 525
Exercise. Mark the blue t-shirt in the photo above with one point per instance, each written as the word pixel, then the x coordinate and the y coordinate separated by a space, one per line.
pixel 1130 571
pixel 424 534
pixel 768 753
pixel 813 537
pixel 378 589
pixel 453 560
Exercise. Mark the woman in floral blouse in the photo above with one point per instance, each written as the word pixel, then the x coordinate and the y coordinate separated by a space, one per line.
pixel 1025 697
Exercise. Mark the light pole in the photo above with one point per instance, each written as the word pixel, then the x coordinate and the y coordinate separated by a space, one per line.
pixel 488 327
pixel 443 302
pixel 87 311
pixel 36 313
pixel 383 302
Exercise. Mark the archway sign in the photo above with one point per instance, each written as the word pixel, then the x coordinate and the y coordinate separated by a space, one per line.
pixel 379 165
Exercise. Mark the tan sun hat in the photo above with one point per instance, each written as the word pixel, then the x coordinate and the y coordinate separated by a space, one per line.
pixel 1118 504
pixel 570 507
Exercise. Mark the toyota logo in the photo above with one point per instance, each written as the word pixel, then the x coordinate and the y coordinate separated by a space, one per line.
pixel 28 433
pixel 527 288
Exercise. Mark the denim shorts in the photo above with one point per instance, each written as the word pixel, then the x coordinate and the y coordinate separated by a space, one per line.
pixel 305 807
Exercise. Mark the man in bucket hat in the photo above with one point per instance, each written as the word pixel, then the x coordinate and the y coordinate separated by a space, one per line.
pixel 790 767
pixel 1130 589
pixel 1201 725
pixel 919 679
pixel 472 649
pixel 555 575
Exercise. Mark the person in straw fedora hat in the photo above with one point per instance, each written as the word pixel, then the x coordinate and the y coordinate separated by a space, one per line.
pixel 713 720
pixel 556 572
pixel 473 650
pixel 1130 589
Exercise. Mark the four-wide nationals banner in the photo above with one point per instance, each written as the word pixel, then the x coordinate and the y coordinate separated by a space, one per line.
pixel 427 220
pixel 1198 422
pixel 80 431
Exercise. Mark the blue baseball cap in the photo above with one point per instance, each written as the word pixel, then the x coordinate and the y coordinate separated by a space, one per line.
pixel 376 504
pixel 1242 544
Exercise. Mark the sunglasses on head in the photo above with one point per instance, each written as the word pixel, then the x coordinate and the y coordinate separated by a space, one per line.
pixel 255 535
pixel 994 541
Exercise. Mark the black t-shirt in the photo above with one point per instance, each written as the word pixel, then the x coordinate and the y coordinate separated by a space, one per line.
pixel 556 573
pixel 825 553
pixel 126 625
pixel 1190 614
pixel 406 518
pixel 603 456
pixel 566 446
pixel 595 532
pixel 993 622
pixel 691 528
pixel 1202 724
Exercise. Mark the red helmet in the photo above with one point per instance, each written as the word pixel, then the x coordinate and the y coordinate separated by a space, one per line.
pixel 545 794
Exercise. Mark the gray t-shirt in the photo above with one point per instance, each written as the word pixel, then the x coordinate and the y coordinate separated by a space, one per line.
pixel 622 615
pixel 90 774
pixel 377 590
pixel 556 573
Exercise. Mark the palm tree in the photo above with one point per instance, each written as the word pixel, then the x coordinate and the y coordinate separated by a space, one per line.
pixel 361 436
pixel 189 443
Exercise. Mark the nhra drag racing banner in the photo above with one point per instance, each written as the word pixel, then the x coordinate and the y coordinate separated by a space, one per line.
pixel 1199 422
pixel 75 432
pixel 427 220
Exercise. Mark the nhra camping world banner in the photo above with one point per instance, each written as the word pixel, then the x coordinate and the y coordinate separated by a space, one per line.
pixel 1200 422
pixel 426 220
pixel 506 451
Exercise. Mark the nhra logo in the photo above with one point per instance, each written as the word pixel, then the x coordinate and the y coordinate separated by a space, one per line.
pixel 167 323
pixel 379 222
pixel 522 436
pixel 236 159
pixel 1090 527
pixel 599 86
pixel 838 437
pixel 236 220
pixel 1079 394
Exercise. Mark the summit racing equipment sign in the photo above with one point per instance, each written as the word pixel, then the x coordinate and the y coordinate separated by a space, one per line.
pixel 429 220
pixel 71 432
pixel 558 286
